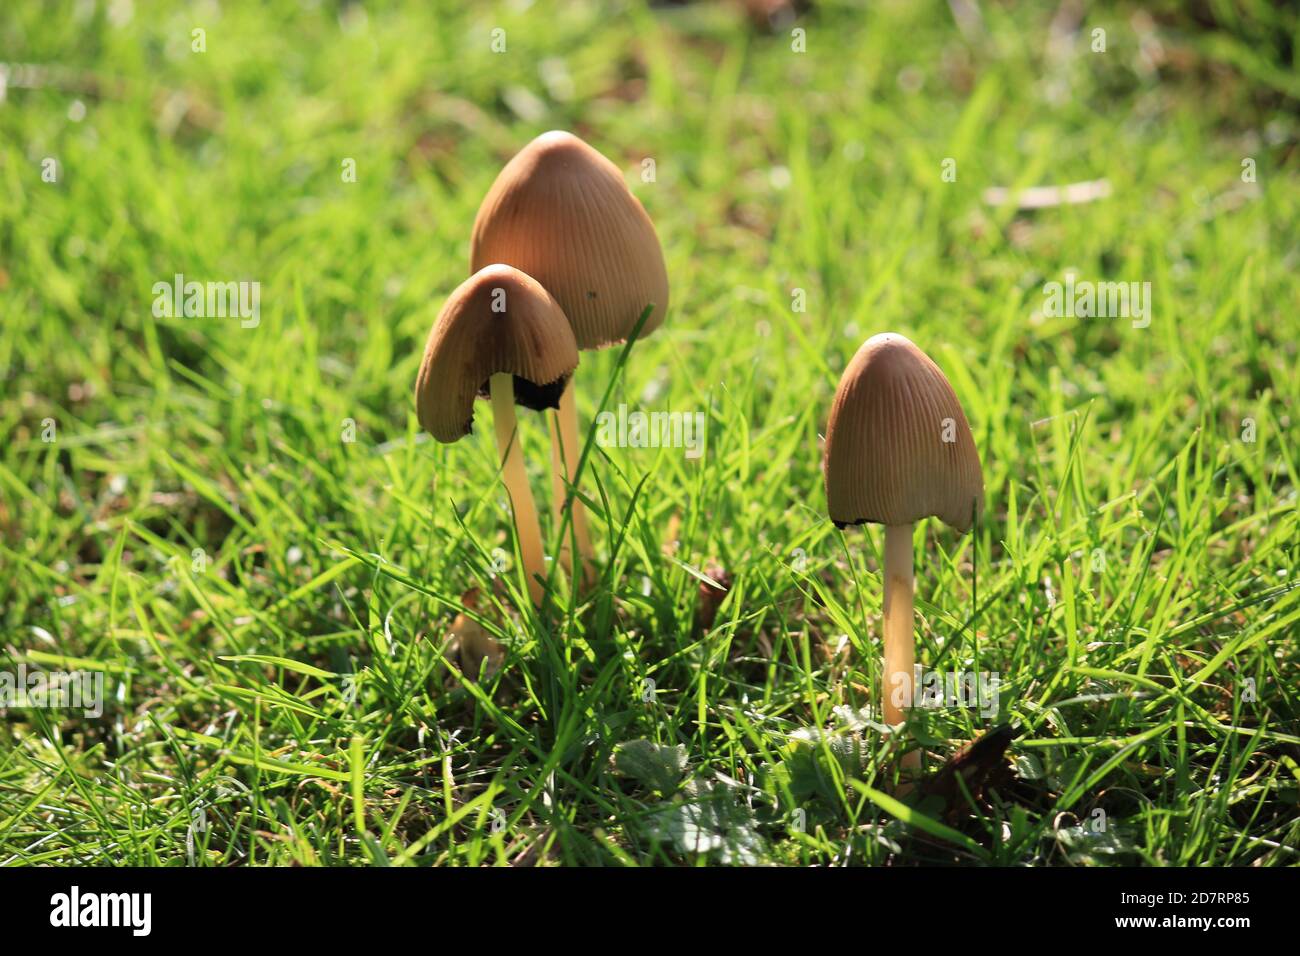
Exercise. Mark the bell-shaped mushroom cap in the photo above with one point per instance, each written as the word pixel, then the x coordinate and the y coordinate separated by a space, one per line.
pixel 898 447
pixel 497 320
pixel 561 212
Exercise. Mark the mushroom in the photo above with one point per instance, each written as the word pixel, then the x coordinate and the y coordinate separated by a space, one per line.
pixel 561 212
pixel 499 333
pixel 899 449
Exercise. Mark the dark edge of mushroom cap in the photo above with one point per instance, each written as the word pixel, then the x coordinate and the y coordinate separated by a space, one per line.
pixel 886 458
pixel 469 343
pixel 561 212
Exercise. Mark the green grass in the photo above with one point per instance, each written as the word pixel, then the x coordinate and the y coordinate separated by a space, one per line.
pixel 292 681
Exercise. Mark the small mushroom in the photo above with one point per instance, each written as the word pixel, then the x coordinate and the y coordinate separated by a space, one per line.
pixel 500 334
pixel 561 212
pixel 480 653
pixel 899 449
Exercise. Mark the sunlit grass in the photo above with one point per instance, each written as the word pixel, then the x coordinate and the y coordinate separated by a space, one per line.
pixel 272 605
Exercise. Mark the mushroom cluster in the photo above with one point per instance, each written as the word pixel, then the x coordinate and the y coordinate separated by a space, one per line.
pixel 563 257
pixel 899 450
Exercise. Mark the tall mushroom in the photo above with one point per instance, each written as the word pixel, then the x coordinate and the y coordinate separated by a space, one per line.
pixel 561 212
pixel 499 333
pixel 899 449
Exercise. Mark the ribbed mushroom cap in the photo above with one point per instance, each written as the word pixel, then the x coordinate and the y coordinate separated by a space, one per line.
pixel 561 212
pixel 497 320
pixel 898 446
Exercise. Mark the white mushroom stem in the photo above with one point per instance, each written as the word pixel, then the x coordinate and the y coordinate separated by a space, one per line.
pixel 900 649
pixel 515 479
pixel 566 451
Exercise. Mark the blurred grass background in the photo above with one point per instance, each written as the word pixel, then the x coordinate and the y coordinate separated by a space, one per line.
pixel 339 568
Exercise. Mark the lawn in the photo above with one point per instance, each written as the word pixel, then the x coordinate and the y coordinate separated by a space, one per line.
pixel 239 525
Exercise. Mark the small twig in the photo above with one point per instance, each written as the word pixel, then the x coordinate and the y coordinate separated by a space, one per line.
pixel 1045 197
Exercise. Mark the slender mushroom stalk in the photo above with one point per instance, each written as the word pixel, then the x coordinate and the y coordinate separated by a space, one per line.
pixel 562 213
pixel 566 451
pixel 900 652
pixel 515 478
pixel 499 334
pixel 899 450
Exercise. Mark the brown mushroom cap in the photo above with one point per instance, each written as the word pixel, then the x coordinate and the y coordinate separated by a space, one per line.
pixel 887 460
pixel 561 212
pixel 498 320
